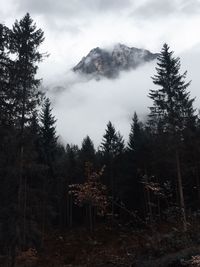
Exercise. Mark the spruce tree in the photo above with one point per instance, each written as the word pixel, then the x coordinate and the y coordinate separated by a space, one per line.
pixel 139 145
pixel 48 141
pixel 6 92
pixel 112 143
pixel 87 152
pixel 172 106
pixel 135 135
pixel 22 99
pixel 112 148
pixel 48 133
pixel 25 40
pixel 172 110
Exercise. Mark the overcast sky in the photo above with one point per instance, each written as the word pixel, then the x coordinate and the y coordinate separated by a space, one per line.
pixel 73 28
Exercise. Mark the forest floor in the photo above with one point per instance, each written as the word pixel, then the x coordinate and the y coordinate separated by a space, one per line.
pixel 121 247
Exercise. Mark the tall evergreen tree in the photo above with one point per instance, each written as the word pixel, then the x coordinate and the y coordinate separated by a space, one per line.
pixel 172 106
pixel 113 143
pixel 139 145
pixel 48 133
pixel 135 135
pixel 48 141
pixel 4 75
pixel 87 152
pixel 25 41
pixel 172 110
pixel 112 148
pixel 19 98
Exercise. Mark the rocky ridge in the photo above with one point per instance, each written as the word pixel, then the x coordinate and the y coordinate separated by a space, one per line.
pixel 108 63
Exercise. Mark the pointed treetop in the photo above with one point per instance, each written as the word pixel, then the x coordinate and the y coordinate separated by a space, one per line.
pixel 113 143
pixel 26 38
pixel 172 105
pixel 135 133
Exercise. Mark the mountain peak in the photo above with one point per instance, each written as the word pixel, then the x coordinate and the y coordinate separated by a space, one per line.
pixel 101 62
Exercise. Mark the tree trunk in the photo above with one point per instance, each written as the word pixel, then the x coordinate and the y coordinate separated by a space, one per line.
pixel 148 200
pixel 112 185
pixel 20 198
pixel 44 209
pixel 69 210
pixel 90 218
pixel 24 211
pixel 180 190
pixel 197 181
pixel 21 169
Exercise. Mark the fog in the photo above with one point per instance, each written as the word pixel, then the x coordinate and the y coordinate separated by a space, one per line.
pixel 72 28
pixel 84 107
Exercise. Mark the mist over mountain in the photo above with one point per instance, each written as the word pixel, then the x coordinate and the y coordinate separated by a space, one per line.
pixel 109 62
pixel 79 97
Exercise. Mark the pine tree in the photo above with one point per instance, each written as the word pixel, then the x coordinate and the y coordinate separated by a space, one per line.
pixel 138 145
pixel 172 110
pixel 4 75
pixel 25 40
pixel 48 133
pixel 72 176
pixel 112 148
pixel 113 143
pixel 135 136
pixel 48 141
pixel 87 152
pixel 22 99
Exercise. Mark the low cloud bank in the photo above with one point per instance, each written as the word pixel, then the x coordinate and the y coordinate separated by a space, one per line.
pixel 84 107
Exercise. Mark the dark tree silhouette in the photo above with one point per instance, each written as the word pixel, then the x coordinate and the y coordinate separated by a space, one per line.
pixel 48 133
pixel 172 109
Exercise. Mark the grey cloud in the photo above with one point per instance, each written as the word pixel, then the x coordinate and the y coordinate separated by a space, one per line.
pixel 190 7
pixel 41 7
pixel 158 8
pixel 155 8
pixel 71 8
pixel 114 4
pixel 62 14
pixel 77 10
pixel 62 26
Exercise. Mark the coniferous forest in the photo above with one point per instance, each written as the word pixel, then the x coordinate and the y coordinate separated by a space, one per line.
pixel 134 204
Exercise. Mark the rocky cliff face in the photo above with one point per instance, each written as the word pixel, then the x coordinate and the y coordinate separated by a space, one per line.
pixel 100 62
